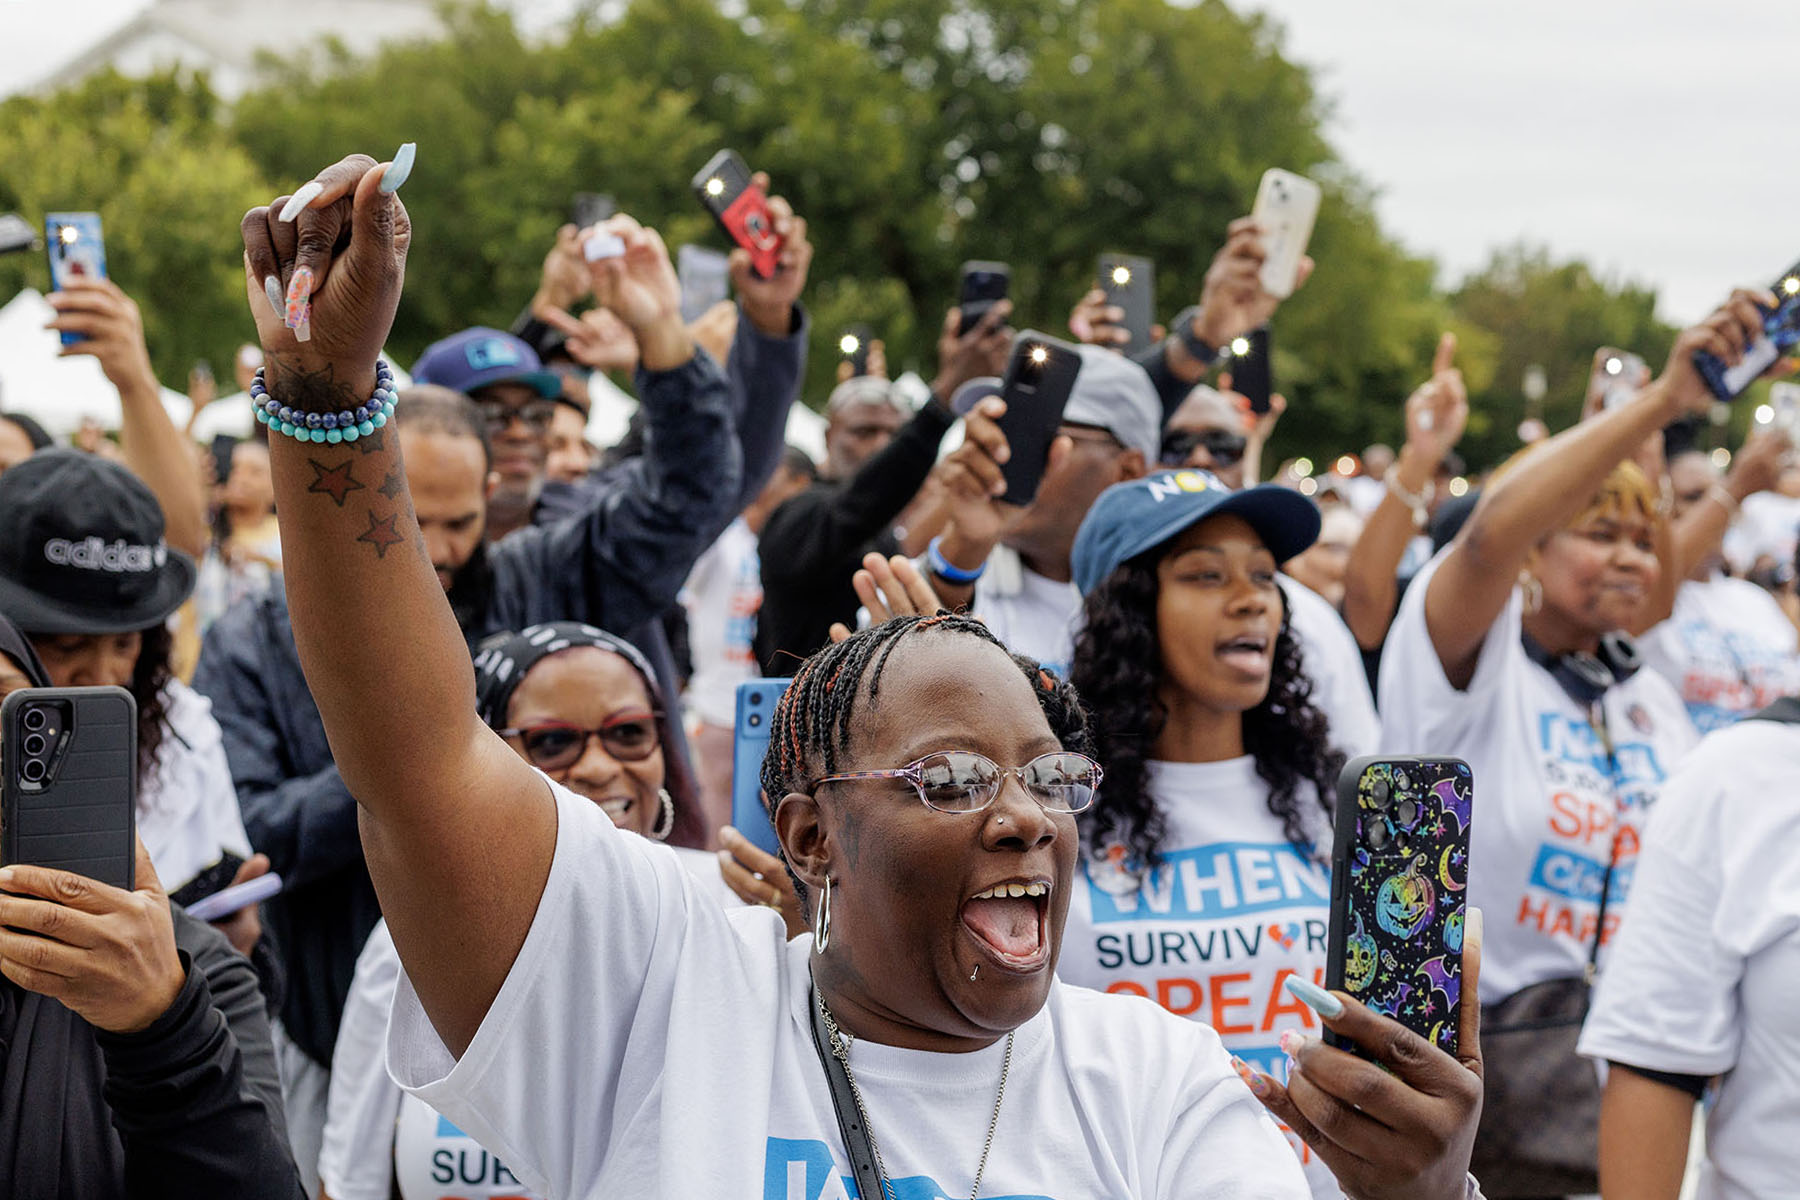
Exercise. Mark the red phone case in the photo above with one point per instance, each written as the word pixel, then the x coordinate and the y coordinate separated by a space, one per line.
pixel 748 222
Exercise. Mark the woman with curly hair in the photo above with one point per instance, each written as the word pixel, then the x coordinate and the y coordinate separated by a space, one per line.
pixel 1204 881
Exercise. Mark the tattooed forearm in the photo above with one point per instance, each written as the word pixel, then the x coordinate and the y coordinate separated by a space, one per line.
pixel 336 482
pixel 393 485
pixel 310 389
pixel 382 533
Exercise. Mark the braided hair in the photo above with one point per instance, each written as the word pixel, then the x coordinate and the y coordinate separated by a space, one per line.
pixel 1118 667
pixel 816 716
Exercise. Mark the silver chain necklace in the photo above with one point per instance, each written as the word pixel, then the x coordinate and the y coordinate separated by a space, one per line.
pixel 840 1050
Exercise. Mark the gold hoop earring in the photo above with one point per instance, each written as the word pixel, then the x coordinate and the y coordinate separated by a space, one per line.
pixel 822 919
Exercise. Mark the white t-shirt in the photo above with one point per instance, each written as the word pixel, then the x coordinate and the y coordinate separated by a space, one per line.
pixel 1768 526
pixel 1703 977
pixel 722 595
pixel 645 1043
pixel 374 1131
pixel 1039 618
pixel 188 811
pixel 1728 649
pixel 1545 809
pixel 1211 934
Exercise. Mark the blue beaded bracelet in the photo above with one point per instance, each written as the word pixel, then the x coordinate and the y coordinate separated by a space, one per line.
pixel 944 569
pixel 344 426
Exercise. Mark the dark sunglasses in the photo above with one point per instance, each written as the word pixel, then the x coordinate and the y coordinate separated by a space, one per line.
pixel 1225 447
pixel 559 745
pixel 535 413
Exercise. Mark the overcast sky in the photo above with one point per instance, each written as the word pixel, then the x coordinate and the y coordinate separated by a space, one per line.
pixel 1643 135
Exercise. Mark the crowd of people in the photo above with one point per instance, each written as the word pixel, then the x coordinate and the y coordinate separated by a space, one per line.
pixel 466 682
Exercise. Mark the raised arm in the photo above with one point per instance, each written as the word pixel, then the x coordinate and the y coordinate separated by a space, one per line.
pixel 458 831
pixel 1701 528
pixel 1553 483
pixel 1436 414
pixel 156 451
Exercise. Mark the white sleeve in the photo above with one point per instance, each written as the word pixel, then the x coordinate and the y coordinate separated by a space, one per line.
pixel 1334 663
pixel 1421 710
pixel 1223 1145
pixel 629 964
pixel 1667 1000
pixel 356 1160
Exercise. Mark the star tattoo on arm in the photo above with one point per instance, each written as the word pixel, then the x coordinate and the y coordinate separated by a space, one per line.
pixel 392 485
pixel 381 533
pixel 336 482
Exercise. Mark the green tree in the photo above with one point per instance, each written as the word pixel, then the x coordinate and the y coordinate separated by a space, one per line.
pixel 1554 315
pixel 170 185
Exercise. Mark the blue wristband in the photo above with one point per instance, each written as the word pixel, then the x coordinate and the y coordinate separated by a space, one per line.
pixel 942 568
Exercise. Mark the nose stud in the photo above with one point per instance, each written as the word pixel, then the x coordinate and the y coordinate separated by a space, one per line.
pixel 974 973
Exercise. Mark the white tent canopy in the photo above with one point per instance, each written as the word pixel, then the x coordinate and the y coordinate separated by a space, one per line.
pixel 57 392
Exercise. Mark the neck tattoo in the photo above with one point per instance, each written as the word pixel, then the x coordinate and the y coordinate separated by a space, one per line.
pixel 840 1049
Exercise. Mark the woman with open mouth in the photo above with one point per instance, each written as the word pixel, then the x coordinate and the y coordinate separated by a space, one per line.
pixel 1204 882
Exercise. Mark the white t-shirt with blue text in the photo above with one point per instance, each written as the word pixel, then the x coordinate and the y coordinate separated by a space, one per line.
pixel 1728 649
pixel 646 1043
pixel 1549 803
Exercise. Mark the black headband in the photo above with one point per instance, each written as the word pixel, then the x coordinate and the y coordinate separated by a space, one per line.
pixel 504 659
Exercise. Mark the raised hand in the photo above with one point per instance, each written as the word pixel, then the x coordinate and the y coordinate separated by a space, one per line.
pixel 564 280
pixel 1232 301
pixel 1097 323
pixel 1437 412
pixel 889 588
pixel 758 877
pixel 981 351
pixel 1727 333
pixel 324 303
pixel 112 329
pixel 1758 465
pixel 769 303
pixel 640 287
pixel 596 339
pixel 105 954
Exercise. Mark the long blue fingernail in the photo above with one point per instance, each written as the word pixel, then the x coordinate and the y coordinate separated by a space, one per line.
pixel 1314 997
pixel 399 169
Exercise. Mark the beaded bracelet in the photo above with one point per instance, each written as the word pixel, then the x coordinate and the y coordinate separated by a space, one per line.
pixel 344 426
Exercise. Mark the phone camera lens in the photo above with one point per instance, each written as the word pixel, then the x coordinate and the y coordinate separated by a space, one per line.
pixel 1403 843
pixel 33 771
pixel 35 744
pixel 34 718
pixel 755 721
pixel 1408 812
pixel 755 699
pixel 1401 781
pixel 1378 835
pixel 1380 794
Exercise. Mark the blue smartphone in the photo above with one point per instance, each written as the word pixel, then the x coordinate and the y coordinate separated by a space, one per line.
pixel 76 250
pixel 755 710
pixel 1780 333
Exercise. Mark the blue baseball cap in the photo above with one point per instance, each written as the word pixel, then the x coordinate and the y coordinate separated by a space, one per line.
pixel 478 357
pixel 1130 518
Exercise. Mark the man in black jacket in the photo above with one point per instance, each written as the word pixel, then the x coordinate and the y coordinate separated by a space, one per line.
pixel 813 544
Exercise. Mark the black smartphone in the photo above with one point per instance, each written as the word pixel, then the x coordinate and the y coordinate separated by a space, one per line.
pixel 1399 864
pixel 68 792
pixel 1130 283
pixel 1252 374
pixel 756 700
pixel 725 188
pixel 1039 377
pixel 591 208
pixel 853 347
pixel 984 284
pixel 224 447
pixel 1780 334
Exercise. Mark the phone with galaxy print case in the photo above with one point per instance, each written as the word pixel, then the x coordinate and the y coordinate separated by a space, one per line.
pixel 1399 866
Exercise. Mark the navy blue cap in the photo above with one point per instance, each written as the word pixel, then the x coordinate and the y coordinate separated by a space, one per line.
pixel 1130 518
pixel 478 357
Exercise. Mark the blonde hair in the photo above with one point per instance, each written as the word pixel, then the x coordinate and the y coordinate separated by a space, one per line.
pixel 1625 492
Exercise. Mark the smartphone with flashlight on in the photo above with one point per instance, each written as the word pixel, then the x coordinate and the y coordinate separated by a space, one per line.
pixel 854 347
pixel 1130 283
pixel 76 251
pixel 1039 377
pixel 727 191
pixel 984 284
pixel 1618 375
pixel 1780 334
pixel 1252 373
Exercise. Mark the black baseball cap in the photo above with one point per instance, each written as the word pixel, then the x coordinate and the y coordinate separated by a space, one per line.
pixel 82 550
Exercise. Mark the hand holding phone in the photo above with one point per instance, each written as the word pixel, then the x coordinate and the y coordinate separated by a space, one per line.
pixel 984 284
pixel 1616 377
pixel 1129 283
pixel 68 797
pixel 1779 334
pixel 77 251
pixel 1286 207
pixel 1039 379
pixel 1252 374
pixel 741 207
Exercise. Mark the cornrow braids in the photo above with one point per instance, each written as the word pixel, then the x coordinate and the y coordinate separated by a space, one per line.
pixel 813 722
